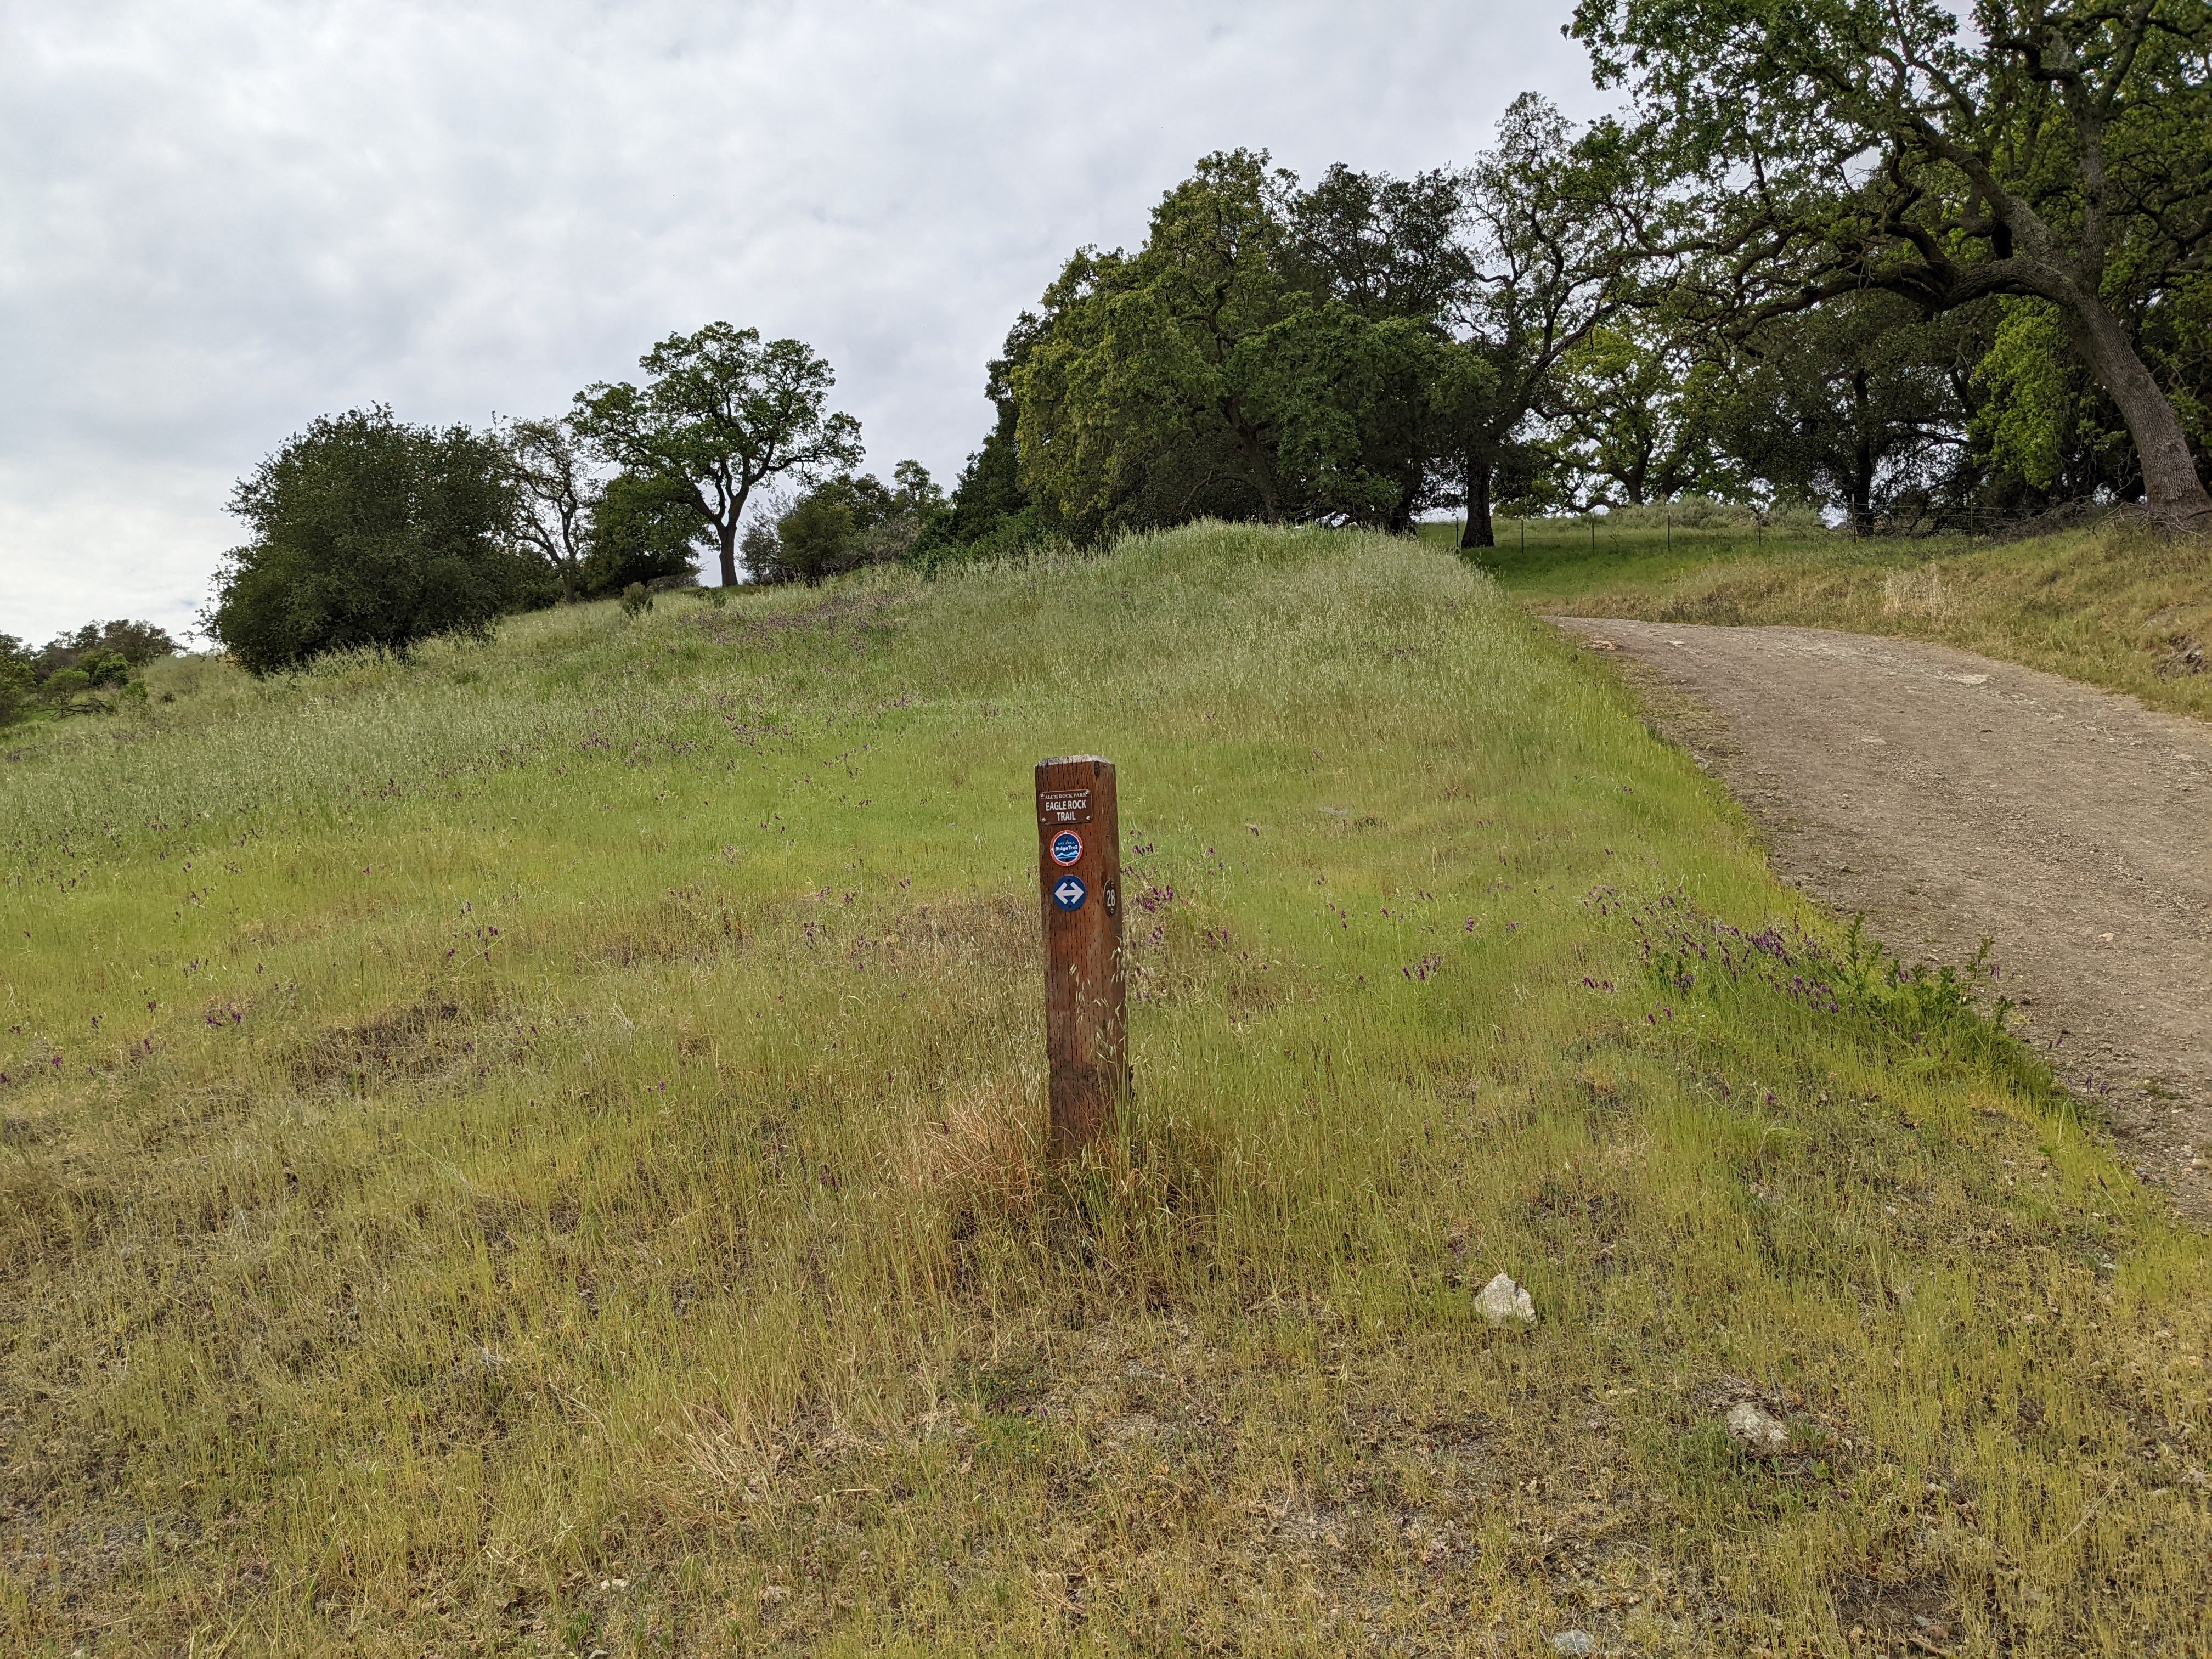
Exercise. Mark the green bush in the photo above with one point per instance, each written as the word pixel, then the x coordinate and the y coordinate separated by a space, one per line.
pixel 105 668
pixel 844 523
pixel 644 530
pixel 368 534
pixel 16 685
pixel 819 537
pixel 64 688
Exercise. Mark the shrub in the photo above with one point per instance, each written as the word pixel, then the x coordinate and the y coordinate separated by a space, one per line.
pixel 368 534
pixel 636 599
pixel 103 668
pixel 135 643
pixel 843 524
pixel 16 684
pixel 819 537
pixel 65 688
pixel 643 530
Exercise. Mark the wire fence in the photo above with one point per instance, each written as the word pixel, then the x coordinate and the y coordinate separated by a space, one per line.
pixel 1642 527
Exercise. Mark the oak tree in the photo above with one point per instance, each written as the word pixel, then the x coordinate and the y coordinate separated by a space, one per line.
pixel 2054 149
pixel 1856 405
pixel 1268 353
pixel 1551 265
pixel 554 489
pixel 723 412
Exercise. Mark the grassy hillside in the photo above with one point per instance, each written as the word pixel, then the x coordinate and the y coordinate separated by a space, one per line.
pixel 535 1149
pixel 2123 607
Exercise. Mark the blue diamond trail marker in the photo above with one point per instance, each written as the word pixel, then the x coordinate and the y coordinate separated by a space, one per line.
pixel 1085 992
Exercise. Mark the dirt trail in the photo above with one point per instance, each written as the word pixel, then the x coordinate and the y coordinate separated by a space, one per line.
pixel 1949 796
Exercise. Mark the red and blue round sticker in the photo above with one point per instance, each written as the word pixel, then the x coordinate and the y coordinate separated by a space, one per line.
pixel 1066 848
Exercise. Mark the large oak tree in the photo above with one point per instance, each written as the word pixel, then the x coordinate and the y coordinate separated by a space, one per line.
pixel 1270 352
pixel 2057 148
pixel 1156 357
pixel 1858 404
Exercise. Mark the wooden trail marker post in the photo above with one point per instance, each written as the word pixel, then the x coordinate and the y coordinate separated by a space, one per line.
pixel 1085 994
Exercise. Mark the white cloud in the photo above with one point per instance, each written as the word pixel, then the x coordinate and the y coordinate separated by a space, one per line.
pixel 219 221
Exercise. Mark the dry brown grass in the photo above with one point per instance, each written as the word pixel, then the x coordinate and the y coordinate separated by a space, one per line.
pixel 1919 592
pixel 981 1157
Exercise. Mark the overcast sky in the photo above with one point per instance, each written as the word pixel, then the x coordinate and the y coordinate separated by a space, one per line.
pixel 219 219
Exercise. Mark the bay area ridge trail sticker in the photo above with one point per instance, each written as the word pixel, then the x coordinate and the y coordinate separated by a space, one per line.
pixel 1066 848
pixel 1069 892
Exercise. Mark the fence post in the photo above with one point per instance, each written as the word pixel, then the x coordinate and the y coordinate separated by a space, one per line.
pixel 1085 992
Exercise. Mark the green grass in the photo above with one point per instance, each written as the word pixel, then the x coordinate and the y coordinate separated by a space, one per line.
pixel 535 1149
pixel 2124 608
pixel 1540 559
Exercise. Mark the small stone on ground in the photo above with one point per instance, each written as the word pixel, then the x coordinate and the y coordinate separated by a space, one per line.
pixel 1755 1429
pixel 1502 1299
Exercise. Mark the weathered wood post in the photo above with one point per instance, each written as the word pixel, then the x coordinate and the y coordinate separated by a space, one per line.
pixel 1086 995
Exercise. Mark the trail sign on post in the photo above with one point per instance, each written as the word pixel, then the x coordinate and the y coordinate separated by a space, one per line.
pixel 1086 996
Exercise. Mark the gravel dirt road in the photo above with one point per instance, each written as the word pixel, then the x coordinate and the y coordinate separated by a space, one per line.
pixel 1948 797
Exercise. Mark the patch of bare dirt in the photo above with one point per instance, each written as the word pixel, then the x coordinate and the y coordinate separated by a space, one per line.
pixel 402 1040
pixel 1949 797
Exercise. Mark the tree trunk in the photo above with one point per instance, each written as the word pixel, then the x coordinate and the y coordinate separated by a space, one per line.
pixel 1259 463
pixel 572 556
pixel 2176 493
pixel 1263 477
pixel 1861 461
pixel 1477 533
pixel 726 524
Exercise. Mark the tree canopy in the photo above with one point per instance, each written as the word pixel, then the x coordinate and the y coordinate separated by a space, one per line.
pixel 1138 401
pixel 1819 147
pixel 1352 353
pixel 1552 267
pixel 1858 402
pixel 642 527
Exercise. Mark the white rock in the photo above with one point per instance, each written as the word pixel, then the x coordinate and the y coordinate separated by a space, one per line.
pixel 1755 1429
pixel 1502 1299
pixel 1574 1641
